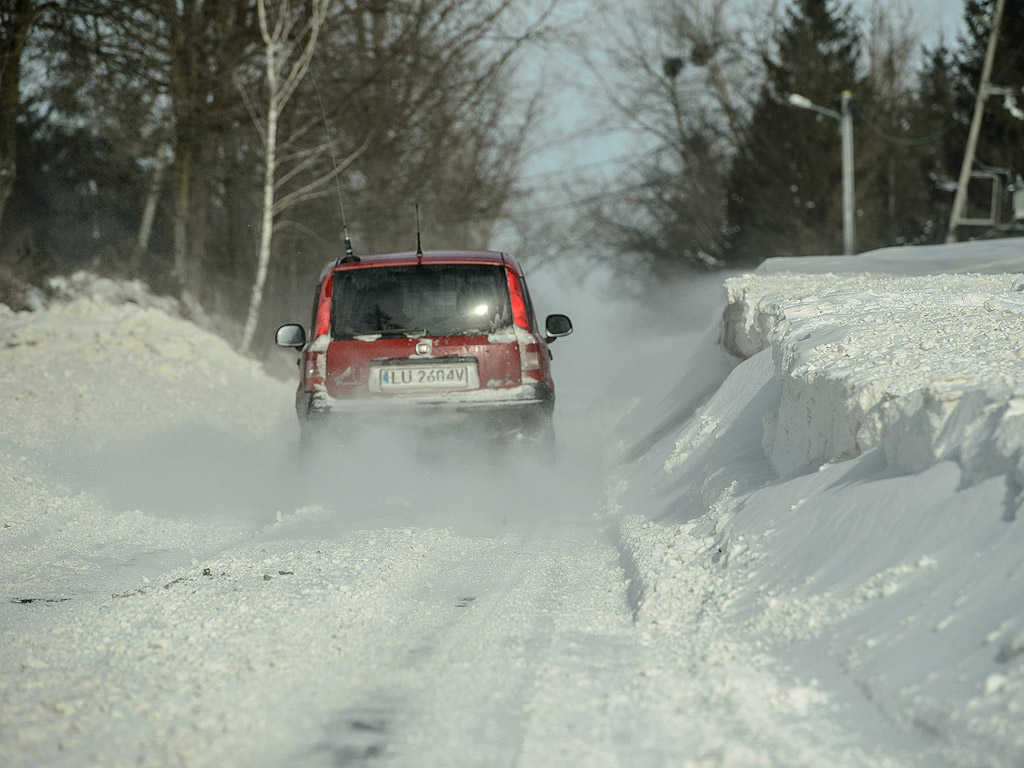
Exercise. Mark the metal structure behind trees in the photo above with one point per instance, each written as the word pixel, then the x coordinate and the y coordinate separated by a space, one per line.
pixel 845 118
pixel 960 199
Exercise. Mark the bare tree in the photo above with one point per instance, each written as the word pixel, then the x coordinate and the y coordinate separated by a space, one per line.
pixel 427 86
pixel 682 74
pixel 434 83
pixel 163 70
pixel 152 197
pixel 207 42
pixel 289 43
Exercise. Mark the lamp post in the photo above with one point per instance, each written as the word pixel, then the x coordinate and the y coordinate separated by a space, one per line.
pixel 845 118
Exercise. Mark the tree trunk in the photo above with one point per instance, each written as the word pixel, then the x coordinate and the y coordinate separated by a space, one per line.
pixel 182 207
pixel 152 197
pixel 206 44
pixel 12 44
pixel 278 93
pixel 267 219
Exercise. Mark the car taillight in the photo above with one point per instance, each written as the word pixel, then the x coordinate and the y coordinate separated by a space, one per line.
pixel 323 312
pixel 529 350
pixel 313 373
pixel 315 370
pixel 520 317
pixel 530 356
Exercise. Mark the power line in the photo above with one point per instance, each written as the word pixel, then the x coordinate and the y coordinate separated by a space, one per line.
pixel 899 140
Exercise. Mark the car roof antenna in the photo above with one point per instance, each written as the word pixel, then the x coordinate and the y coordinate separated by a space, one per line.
pixel 349 253
pixel 419 247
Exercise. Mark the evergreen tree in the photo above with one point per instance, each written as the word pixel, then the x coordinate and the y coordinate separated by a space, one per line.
pixel 785 196
pixel 902 115
pixel 938 160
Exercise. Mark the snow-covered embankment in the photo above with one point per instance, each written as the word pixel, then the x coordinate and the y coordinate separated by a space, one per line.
pixel 928 368
pixel 848 498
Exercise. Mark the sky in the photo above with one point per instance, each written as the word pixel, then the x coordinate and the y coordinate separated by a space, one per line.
pixel 949 11
pixel 578 133
pixel 937 17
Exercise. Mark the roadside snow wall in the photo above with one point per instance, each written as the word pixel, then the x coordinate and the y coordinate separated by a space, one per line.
pixel 842 501
pixel 931 368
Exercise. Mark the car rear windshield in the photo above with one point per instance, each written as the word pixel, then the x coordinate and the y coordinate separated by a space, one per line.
pixel 428 299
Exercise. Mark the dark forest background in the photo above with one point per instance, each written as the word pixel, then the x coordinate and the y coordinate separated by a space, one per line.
pixel 133 142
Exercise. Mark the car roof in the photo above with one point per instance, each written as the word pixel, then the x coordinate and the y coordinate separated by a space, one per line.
pixel 427 257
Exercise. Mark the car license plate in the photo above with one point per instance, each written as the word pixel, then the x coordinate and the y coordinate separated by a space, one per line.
pixel 426 377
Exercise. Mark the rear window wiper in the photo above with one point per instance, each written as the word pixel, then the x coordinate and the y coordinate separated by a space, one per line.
pixel 402 332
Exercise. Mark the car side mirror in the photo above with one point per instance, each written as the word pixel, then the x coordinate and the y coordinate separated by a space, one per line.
pixel 291 336
pixel 556 326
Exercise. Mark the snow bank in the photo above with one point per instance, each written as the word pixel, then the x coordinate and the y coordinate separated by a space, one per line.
pixel 847 498
pixel 82 284
pixel 931 368
pixel 111 392
pixel 94 389
pixel 103 368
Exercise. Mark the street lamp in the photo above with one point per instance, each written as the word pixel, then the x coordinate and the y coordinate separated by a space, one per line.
pixel 845 119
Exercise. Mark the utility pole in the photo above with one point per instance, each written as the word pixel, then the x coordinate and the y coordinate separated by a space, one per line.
pixel 849 201
pixel 960 199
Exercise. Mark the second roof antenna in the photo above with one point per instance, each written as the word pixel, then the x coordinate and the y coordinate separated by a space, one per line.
pixel 419 248
pixel 349 253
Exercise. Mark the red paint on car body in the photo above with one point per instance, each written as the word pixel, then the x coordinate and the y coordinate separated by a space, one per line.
pixel 443 329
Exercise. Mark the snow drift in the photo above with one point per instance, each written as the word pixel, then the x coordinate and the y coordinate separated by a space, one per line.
pixel 848 497
pixel 928 369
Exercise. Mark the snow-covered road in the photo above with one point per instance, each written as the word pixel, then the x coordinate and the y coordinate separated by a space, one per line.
pixel 392 646
pixel 728 568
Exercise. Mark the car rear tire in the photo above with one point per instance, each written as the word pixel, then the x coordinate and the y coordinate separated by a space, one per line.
pixel 546 447
pixel 312 437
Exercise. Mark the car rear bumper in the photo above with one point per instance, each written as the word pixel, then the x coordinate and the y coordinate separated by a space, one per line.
pixel 523 410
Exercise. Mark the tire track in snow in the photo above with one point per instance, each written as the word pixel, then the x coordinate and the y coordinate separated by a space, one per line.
pixel 459 684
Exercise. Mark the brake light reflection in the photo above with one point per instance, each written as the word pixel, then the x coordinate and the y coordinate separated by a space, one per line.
pixel 519 314
pixel 322 326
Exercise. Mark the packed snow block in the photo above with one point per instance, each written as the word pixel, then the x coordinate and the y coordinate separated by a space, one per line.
pixel 930 368
pixel 981 428
pixel 748 320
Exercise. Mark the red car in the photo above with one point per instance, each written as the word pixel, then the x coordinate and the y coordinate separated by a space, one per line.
pixel 437 340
